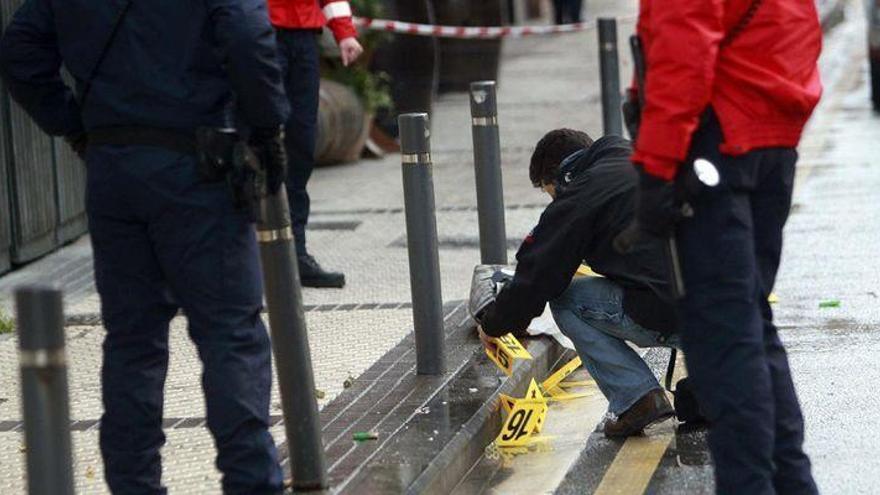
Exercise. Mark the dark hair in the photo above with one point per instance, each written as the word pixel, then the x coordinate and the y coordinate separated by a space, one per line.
pixel 551 150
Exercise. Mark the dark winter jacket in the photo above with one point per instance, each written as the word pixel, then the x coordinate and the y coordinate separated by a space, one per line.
pixel 595 202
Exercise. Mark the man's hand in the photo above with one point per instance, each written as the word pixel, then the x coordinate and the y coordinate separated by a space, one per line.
pixel 350 49
pixel 657 208
pixel 268 146
pixel 487 341
pixel 632 113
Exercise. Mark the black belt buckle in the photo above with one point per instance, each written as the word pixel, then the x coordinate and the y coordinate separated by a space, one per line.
pixel 215 148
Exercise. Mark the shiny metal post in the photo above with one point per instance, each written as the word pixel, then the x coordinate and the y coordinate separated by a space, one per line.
pixel 612 121
pixel 421 237
pixel 44 390
pixel 487 167
pixel 290 343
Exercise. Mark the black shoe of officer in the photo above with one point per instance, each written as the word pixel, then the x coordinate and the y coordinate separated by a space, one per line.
pixel 312 275
pixel 652 408
pixel 686 407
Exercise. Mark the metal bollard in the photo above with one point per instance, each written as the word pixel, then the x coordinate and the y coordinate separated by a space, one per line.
pixel 487 165
pixel 290 344
pixel 421 236
pixel 45 403
pixel 612 122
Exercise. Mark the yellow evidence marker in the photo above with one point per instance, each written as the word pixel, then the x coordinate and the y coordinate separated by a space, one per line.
pixel 524 419
pixel 554 385
pixel 585 271
pixel 507 349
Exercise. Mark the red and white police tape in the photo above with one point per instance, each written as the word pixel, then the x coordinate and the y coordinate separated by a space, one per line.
pixel 470 32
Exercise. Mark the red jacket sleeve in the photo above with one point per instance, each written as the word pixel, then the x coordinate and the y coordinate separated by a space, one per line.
pixel 681 39
pixel 338 15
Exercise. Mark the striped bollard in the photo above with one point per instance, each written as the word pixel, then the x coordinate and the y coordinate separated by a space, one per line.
pixel 421 240
pixel 487 167
pixel 44 390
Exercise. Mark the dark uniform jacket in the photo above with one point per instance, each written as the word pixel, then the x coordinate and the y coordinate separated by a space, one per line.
pixel 590 210
pixel 174 64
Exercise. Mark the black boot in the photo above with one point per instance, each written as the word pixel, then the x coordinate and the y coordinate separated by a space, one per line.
pixel 312 275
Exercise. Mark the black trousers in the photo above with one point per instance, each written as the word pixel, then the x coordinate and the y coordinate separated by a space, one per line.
pixel 730 253
pixel 298 51
pixel 567 11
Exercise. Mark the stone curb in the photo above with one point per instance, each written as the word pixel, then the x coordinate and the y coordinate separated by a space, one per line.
pixel 458 457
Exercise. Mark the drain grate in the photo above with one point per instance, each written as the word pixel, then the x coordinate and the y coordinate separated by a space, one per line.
pixel 445 209
pixel 456 242
pixel 94 319
pixel 334 225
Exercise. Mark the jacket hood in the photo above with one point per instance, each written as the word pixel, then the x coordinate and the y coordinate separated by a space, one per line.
pixel 606 148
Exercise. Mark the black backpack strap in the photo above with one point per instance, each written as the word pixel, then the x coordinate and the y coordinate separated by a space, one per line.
pixel 87 86
pixel 670 369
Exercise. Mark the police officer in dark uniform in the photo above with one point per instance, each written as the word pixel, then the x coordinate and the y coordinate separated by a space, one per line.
pixel 166 234
pixel 731 82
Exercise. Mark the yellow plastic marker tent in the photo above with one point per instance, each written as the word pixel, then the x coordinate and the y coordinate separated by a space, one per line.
pixel 585 271
pixel 524 420
pixel 507 349
pixel 520 424
pixel 554 386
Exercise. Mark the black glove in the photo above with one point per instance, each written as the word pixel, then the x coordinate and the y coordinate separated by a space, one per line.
pixel 79 143
pixel 267 144
pixel 632 114
pixel 657 205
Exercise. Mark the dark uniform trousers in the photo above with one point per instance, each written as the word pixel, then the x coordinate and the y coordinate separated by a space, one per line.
pixel 164 240
pixel 298 53
pixel 567 11
pixel 730 253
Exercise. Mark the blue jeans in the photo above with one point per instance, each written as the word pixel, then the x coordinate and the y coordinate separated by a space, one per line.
pixel 590 313
pixel 163 240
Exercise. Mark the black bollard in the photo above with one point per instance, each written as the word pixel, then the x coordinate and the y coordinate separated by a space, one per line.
pixel 290 344
pixel 421 236
pixel 45 403
pixel 612 123
pixel 487 165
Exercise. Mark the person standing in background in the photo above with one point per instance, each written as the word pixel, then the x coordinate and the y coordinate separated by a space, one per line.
pixel 298 23
pixel 567 11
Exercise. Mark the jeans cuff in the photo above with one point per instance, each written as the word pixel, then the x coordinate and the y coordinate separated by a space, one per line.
pixel 620 405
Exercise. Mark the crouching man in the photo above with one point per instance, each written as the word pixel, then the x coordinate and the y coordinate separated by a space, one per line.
pixel 593 186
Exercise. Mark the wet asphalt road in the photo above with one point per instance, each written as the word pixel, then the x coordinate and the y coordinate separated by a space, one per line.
pixel 831 254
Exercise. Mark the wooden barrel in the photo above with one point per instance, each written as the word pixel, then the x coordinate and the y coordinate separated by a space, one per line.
pixel 343 125
pixel 410 61
pixel 464 61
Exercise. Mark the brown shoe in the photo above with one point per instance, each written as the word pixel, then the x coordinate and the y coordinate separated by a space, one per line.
pixel 653 407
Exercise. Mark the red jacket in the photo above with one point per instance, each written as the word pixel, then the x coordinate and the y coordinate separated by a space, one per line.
pixel 310 14
pixel 763 85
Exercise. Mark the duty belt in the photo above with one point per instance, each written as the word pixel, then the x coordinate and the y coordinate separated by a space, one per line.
pixel 179 141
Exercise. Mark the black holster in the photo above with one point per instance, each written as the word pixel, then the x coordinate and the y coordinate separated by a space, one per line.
pixel 215 150
pixel 223 155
